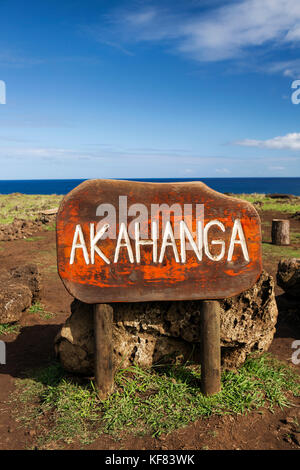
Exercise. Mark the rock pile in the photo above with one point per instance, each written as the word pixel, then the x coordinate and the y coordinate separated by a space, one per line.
pixel 21 228
pixel 19 287
pixel 151 332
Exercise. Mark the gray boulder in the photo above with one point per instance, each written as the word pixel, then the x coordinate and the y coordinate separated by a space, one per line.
pixel 14 300
pixel 28 275
pixel 19 287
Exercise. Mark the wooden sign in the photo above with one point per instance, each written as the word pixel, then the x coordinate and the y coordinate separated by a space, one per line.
pixel 123 241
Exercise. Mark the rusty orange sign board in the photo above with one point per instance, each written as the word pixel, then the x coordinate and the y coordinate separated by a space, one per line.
pixel 124 241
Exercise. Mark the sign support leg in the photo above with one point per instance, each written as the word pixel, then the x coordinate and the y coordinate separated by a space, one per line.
pixel 210 348
pixel 104 375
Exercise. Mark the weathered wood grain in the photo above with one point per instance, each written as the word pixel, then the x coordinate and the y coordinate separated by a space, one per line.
pixel 104 373
pixel 166 279
pixel 210 348
pixel 280 232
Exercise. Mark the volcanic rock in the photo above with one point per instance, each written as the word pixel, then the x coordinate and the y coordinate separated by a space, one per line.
pixel 149 332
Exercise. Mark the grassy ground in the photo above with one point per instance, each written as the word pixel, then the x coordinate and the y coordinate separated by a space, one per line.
pixel 269 204
pixel 8 328
pixel 38 309
pixel 156 401
pixel 25 206
pixel 279 251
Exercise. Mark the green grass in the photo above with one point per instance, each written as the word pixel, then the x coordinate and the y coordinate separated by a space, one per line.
pixel 39 309
pixel 36 308
pixel 153 401
pixel 51 227
pixel 28 206
pixel 47 268
pixel 280 251
pixel 8 328
pixel 25 206
pixel 276 205
pixel 33 239
pixel 6 219
pixel 74 406
pixel 295 237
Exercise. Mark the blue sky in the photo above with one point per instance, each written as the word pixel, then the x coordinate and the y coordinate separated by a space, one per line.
pixel 188 88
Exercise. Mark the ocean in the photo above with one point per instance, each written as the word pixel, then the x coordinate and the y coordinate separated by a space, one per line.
pixel 223 185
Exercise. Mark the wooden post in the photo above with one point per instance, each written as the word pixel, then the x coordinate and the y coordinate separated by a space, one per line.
pixel 210 348
pixel 280 232
pixel 103 321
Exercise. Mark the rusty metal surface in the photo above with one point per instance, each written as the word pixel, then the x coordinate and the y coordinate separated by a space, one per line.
pixel 127 281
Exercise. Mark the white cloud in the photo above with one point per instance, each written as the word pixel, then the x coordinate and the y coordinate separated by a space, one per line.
pixel 293 34
pixel 43 153
pixel 290 68
pixel 142 17
pixel 277 168
pixel 120 162
pixel 220 33
pixel 289 141
pixel 105 152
